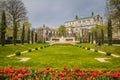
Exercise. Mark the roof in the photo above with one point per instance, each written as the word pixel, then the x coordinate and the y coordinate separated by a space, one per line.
pixel 82 18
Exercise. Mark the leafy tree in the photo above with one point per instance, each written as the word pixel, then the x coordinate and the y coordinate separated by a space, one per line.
pixel 17 12
pixel 109 32
pixel 3 28
pixel 62 30
pixel 113 12
pixel 23 34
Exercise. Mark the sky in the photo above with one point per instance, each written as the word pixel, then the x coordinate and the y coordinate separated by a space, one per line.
pixel 54 13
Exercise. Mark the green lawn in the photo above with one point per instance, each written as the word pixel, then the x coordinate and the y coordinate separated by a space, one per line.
pixel 10 49
pixel 106 48
pixel 58 57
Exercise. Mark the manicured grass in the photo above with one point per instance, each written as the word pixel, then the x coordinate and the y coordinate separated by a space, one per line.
pixel 58 57
pixel 106 48
pixel 10 49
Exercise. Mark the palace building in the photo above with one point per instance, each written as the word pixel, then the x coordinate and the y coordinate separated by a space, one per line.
pixel 81 25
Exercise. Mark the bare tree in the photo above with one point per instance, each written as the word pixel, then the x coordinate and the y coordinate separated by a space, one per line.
pixel 17 13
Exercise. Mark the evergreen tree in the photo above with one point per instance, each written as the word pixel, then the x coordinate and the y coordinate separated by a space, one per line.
pixel 32 35
pixel 23 34
pixel 109 32
pixel 102 36
pixel 3 28
pixel 28 36
pixel 36 37
pixel 92 37
pixel 15 33
pixel 89 36
pixel 96 36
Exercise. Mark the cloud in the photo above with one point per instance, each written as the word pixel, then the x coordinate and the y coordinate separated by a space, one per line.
pixel 55 12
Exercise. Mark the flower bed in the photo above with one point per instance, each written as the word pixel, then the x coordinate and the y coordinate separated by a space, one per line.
pixel 49 74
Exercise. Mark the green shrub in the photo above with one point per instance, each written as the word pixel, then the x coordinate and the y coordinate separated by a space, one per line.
pixel 41 47
pixel 95 50
pixel 36 48
pixel 29 50
pixel 80 46
pixel 18 53
pixel 83 47
pixel 88 48
pixel 108 53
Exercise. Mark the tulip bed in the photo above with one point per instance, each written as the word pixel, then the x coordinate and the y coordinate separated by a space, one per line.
pixel 49 74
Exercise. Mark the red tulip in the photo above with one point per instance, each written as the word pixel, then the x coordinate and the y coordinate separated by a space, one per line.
pixel 88 72
pixel 15 78
pixel 18 70
pixel 24 70
pixel 38 71
pixel 88 78
pixel 63 75
pixel 62 78
pixel 37 79
pixel 116 75
pixel 81 74
pixel 30 73
pixel 54 78
pixel 71 74
pixel 0 74
pixel 69 79
pixel 107 74
pixel 66 69
pixel 6 69
pixel 11 70
pixel 79 79
pixel 26 74
pixel 77 69
pixel 94 74
pixel 100 72
pixel 20 76
pixel 1 71
pixel 9 75
pixel 47 68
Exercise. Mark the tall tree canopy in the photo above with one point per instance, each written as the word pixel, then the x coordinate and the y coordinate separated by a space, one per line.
pixel 3 28
pixel 17 12
pixel 62 30
pixel 113 7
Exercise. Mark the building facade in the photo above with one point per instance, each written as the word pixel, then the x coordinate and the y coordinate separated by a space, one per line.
pixel 81 26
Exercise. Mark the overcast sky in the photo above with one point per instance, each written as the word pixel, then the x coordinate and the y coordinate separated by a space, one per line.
pixel 55 12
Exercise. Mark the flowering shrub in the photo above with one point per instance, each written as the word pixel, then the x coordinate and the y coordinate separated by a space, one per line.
pixel 49 74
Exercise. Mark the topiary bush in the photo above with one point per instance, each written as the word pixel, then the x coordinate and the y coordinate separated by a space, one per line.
pixel 41 47
pixel 108 53
pixel 36 48
pixel 95 50
pixel 80 46
pixel 29 50
pixel 88 48
pixel 18 53
pixel 83 47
